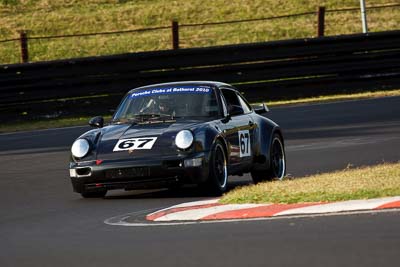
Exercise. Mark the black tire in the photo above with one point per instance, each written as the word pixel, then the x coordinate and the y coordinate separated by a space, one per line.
pixel 218 171
pixel 277 162
pixel 95 194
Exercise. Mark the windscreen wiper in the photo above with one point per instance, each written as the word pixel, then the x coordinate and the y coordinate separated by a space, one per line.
pixel 153 116
pixel 143 117
pixel 124 120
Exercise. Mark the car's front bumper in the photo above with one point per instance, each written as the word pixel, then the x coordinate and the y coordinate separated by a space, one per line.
pixel 139 173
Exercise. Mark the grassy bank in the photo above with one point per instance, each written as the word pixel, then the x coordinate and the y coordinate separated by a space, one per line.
pixel 361 183
pixel 60 17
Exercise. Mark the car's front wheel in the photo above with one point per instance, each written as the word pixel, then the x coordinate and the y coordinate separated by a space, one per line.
pixel 218 173
pixel 94 194
pixel 277 162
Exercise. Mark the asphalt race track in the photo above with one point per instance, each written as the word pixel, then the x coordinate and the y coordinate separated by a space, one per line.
pixel 43 223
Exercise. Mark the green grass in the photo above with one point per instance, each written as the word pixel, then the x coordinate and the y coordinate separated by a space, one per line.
pixel 360 183
pixel 58 17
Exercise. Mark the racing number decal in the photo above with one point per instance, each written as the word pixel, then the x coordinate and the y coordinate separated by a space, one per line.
pixel 135 143
pixel 244 143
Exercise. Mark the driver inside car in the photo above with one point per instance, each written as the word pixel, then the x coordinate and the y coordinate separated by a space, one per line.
pixel 162 106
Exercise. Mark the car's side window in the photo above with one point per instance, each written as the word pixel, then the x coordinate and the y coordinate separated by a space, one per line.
pixel 246 107
pixel 232 100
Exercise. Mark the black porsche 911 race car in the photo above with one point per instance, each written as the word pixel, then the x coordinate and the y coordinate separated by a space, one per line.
pixel 170 134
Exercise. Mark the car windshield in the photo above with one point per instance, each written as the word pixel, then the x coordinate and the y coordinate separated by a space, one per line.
pixel 168 102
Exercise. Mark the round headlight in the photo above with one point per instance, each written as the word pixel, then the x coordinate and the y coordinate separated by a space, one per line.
pixel 184 139
pixel 80 148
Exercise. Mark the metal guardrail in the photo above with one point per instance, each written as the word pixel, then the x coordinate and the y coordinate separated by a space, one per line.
pixel 269 70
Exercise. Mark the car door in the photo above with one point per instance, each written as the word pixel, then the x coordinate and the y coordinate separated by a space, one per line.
pixel 251 126
pixel 237 127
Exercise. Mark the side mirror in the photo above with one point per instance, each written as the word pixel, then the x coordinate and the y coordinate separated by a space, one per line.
pixel 234 110
pixel 97 122
pixel 261 109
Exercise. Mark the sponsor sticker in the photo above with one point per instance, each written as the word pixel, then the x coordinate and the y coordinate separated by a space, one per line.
pixel 135 143
pixel 172 90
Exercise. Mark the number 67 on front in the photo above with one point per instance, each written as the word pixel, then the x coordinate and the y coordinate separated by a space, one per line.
pixel 135 143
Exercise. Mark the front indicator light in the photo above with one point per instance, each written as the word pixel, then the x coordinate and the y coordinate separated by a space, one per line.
pixel 193 162
pixel 72 172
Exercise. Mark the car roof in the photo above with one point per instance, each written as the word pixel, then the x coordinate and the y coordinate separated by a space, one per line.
pixel 192 83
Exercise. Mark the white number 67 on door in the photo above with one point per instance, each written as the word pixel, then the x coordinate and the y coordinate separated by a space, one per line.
pixel 244 143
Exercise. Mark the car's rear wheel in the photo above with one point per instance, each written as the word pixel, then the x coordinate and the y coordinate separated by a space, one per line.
pixel 218 173
pixel 277 162
pixel 94 194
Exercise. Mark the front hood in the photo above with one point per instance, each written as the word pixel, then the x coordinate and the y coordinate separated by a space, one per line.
pixel 163 132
